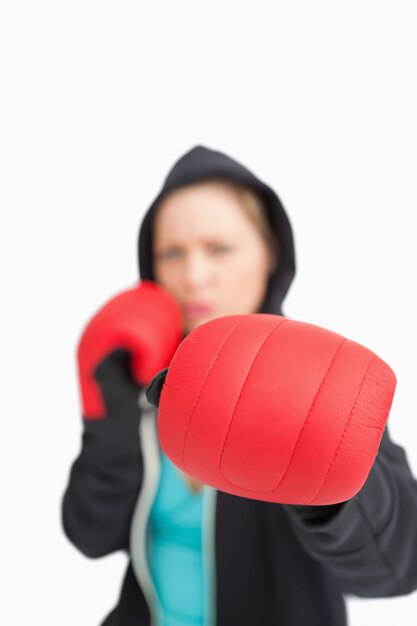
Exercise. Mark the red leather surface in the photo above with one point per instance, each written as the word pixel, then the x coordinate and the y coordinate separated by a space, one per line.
pixel 274 409
pixel 145 320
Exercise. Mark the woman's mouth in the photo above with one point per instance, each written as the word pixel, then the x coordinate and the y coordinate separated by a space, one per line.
pixel 197 309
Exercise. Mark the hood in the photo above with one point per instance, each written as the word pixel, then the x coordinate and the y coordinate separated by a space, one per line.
pixel 201 163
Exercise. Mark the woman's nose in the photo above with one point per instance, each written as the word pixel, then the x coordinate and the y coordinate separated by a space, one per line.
pixel 197 271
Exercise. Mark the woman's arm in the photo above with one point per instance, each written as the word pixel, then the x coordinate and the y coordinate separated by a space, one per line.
pixel 103 486
pixel 125 343
pixel 370 541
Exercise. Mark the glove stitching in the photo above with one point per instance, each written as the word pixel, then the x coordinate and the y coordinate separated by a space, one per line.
pixel 282 322
pixel 201 389
pixel 276 487
pixel 331 464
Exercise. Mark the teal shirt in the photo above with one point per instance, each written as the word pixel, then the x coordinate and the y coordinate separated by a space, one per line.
pixel 175 548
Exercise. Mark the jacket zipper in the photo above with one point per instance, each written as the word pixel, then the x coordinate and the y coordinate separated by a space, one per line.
pixel 209 554
pixel 138 532
pixel 139 526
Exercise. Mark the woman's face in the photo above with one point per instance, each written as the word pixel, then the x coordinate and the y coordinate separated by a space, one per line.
pixel 208 254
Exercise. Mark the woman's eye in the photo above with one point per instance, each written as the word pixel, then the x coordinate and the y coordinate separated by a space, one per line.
pixel 174 253
pixel 220 249
pixel 168 254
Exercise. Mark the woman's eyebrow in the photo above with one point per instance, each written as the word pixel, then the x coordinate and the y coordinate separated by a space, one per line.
pixel 205 240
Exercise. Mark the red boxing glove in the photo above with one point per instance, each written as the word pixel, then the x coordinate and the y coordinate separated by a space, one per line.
pixel 273 409
pixel 144 320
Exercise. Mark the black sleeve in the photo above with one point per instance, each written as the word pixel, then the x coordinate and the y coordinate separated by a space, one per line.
pixel 103 486
pixel 370 541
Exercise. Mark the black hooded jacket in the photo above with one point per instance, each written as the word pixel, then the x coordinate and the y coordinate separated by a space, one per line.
pixel 271 564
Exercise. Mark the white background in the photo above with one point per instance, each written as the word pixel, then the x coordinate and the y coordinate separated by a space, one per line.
pixel 98 100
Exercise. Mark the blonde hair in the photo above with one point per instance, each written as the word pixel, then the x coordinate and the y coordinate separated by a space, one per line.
pixel 254 209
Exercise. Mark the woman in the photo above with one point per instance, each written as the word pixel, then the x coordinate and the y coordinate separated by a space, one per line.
pixel 219 241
